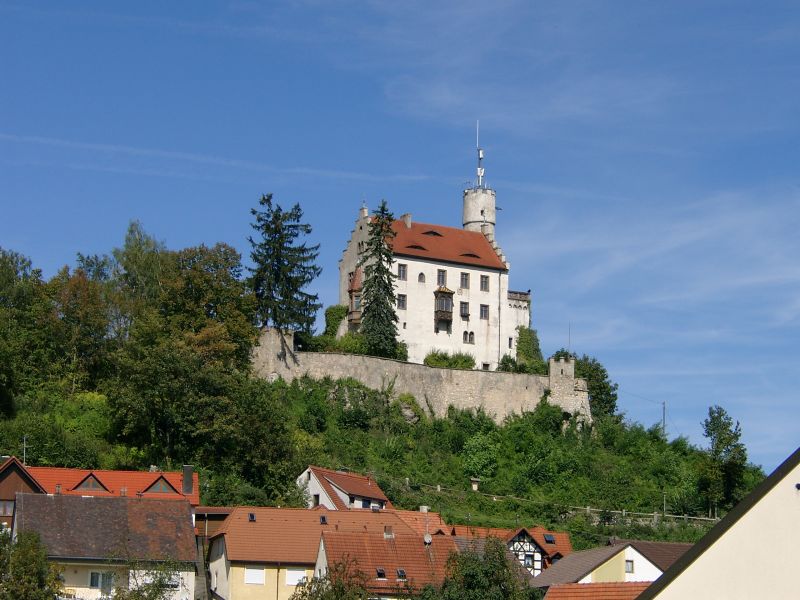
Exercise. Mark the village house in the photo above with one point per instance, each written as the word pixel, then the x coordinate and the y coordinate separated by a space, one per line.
pixel 719 564
pixel 104 542
pixel 618 562
pixel 393 563
pixel 162 485
pixel 341 490
pixel 452 285
pixel 535 548
pixel 265 553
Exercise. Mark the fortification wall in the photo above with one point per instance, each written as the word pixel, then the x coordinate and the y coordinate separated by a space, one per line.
pixel 499 394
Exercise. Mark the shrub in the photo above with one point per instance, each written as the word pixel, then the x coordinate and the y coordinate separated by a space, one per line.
pixel 459 360
pixel 334 315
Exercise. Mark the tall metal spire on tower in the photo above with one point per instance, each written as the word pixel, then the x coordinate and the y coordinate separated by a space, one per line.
pixel 480 170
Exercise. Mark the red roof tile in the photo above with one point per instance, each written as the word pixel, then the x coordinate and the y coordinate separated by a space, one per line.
pixel 450 244
pixel 352 484
pixel 423 564
pixel 422 523
pixel 135 483
pixel 561 545
pixel 596 591
pixel 291 535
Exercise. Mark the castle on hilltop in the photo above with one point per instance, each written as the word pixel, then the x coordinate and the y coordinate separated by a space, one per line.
pixel 452 291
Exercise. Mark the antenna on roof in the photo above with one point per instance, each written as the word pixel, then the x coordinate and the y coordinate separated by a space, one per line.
pixel 480 170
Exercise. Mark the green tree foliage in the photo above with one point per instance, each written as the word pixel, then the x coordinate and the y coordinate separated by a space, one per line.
pixel 25 573
pixel 457 360
pixel 334 315
pixel 484 572
pixel 283 267
pixel 379 319
pixel 725 464
pixel 602 391
pixel 148 581
pixel 343 581
pixel 480 456
pixel 529 353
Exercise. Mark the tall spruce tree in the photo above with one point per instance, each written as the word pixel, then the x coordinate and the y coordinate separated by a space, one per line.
pixel 283 268
pixel 379 319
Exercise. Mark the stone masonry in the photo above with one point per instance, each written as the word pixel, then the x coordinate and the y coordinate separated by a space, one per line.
pixel 499 394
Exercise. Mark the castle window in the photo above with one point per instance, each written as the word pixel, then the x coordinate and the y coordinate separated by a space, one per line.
pixel 471 337
pixel 402 272
pixel 444 302
pixel 464 312
pixel 441 277
pixel 485 366
pixel 484 283
pixel 421 278
pixel 465 281
pixel 484 311
pixel 510 342
pixel 401 301
pixel 466 337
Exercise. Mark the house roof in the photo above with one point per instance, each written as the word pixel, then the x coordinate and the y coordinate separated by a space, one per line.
pixel 576 566
pixel 561 544
pixel 597 591
pixel 352 484
pixel 440 243
pixel 291 535
pixel 13 463
pixel 661 554
pixel 727 523
pixel 113 482
pixel 423 522
pixel 423 564
pixel 478 545
pixel 88 527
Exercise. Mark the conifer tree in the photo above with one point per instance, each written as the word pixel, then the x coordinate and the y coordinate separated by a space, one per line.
pixel 283 268
pixel 379 319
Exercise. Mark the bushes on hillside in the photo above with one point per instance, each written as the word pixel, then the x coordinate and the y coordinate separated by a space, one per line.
pixel 459 360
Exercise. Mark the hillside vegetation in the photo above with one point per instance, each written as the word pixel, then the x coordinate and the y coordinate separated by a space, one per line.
pixel 141 357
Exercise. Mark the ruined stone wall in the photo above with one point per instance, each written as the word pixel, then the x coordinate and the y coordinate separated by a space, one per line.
pixel 499 394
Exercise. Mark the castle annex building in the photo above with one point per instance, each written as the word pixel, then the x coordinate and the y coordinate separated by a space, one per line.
pixel 452 284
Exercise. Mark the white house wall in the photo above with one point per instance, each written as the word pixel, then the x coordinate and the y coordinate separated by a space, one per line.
pixel 219 568
pixel 308 480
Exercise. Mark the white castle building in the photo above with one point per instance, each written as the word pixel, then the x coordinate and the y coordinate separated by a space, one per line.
pixel 452 289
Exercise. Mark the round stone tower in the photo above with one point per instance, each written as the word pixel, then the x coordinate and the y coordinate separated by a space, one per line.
pixel 479 204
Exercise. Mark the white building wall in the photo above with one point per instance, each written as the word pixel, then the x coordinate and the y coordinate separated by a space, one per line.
pixel 219 568
pixel 643 569
pixel 310 482
pixel 756 558
pixel 416 327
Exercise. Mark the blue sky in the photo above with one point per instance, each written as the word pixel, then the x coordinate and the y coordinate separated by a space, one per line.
pixel 644 155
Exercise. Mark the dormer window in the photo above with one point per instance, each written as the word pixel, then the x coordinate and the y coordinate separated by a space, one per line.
pixel 401 574
pixel 470 255
pixel 432 233
pixel 380 573
pixel 416 247
pixel 91 483
pixel 549 538
pixel 161 487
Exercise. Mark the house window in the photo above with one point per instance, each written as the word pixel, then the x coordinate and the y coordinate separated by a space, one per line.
pixel 6 507
pixel 295 576
pixel 484 311
pixel 161 487
pixel 441 277
pixel 316 499
pixel 402 272
pixel 484 283
pixel 401 574
pixel 380 573
pixel 465 280
pixel 365 503
pixel 421 278
pixel 549 538
pixel 401 301
pixel 101 581
pixel 464 310
pixel 254 575
pixel 90 483
pixel 629 566
pixel 528 560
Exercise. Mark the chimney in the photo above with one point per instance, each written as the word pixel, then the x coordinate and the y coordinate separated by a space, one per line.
pixel 475 481
pixel 424 509
pixel 387 532
pixel 123 491
pixel 406 218
pixel 188 483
